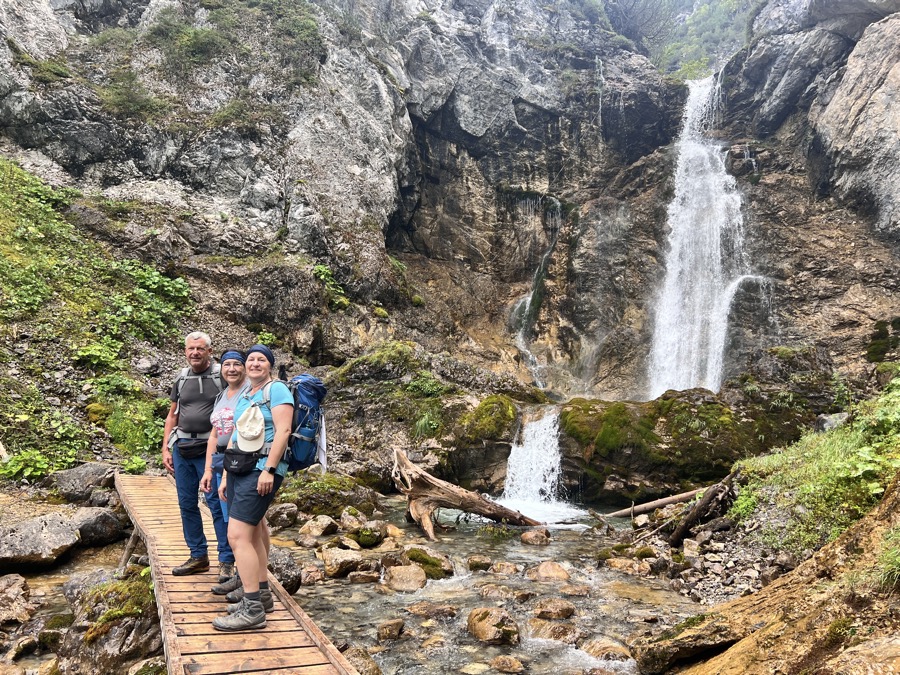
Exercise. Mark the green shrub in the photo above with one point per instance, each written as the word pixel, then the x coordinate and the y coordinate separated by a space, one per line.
pixel 125 96
pixel 335 292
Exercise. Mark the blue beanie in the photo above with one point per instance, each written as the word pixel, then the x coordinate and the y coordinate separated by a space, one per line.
pixel 265 351
pixel 233 354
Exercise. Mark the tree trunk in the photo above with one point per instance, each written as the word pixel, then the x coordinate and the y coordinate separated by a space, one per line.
pixel 700 509
pixel 652 506
pixel 425 493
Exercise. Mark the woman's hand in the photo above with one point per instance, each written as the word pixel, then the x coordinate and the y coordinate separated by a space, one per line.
pixel 222 488
pixel 265 483
pixel 206 481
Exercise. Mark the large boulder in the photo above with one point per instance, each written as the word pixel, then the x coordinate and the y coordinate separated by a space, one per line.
pixel 340 562
pixel 115 624
pixel 405 578
pixel 76 484
pixel 97 526
pixel 36 542
pixel 285 568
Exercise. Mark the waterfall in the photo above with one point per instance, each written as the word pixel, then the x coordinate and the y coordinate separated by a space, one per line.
pixel 533 472
pixel 601 85
pixel 524 312
pixel 705 260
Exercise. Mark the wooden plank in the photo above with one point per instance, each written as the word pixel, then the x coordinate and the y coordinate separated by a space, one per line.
pixel 245 641
pixel 290 642
pixel 274 626
pixel 248 662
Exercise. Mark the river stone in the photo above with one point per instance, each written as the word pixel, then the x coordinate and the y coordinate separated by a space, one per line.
pixel 320 526
pixel 339 562
pixel 394 559
pixel 493 625
pixel 371 533
pixel 364 577
pixel 306 541
pixel 629 566
pixel 76 485
pixel 434 642
pixel 405 578
pixel 311 575
pixel 15 603
pixel 97 526
pixel 39 541
pixel 282 515
pixel 477 563
pixel 285 568
pixel 359 658
pixel 496 592
pixel 576 590
pixel 640 521
pixel 395 532
pixel 436 564
pixel 27 644
pixel 606 649
pixel 506 568
pixel 548 571
pixel 537 537
pixel 390 630
pixel 507 664
pixel 352 519
pixel 554 608
pixel 431 610
pixel 561 631
pixel 156 664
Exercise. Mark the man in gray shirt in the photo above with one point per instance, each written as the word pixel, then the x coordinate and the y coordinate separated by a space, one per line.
pixel 184 453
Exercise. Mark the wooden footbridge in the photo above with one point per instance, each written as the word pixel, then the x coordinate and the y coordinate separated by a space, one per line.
pixel 290 642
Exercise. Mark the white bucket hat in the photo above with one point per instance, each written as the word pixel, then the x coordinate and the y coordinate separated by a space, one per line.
pixel 251 430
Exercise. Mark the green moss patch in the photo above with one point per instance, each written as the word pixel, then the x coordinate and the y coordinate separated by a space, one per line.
pixel 491 420
pixel 432 566
pixel 132 596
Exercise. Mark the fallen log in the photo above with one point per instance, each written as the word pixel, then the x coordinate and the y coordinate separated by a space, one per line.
pixel 700 509
pixel 425 493
pixel 652 506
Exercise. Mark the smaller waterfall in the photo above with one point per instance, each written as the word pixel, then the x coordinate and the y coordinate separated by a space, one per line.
pixel 601 85
pixel 533 472
pixel 524 312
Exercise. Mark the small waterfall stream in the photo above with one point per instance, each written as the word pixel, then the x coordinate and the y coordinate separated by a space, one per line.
pixel 705 262
pixel 533 472
pixel 524 312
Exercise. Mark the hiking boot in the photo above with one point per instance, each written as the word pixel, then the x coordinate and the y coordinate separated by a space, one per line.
pixel 226 571
pixel 236 595
pixel 192 566
pixel 265 597
pixel 250 616
pixel 232 584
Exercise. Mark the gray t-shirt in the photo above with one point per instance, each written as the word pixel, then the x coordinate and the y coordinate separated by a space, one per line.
pixel 198 394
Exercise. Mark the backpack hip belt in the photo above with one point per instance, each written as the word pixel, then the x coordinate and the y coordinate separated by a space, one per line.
pixel 186 434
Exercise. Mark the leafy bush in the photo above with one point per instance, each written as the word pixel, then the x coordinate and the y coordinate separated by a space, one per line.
pixel 336 297
pixel 126 97
pixel 826 481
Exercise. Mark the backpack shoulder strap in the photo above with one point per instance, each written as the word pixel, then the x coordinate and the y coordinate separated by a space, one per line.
pixel 179 381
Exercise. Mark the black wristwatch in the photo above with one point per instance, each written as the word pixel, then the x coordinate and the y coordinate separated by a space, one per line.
pixel 271 469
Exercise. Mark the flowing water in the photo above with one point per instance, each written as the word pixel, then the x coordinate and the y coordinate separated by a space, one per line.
pixel 705 260
pixel 533 472
pixel 525 311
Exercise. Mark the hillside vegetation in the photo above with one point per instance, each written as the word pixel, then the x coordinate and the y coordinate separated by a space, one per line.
pixel 72 316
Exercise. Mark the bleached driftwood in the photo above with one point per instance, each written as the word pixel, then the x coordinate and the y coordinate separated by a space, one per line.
pixel 425 493
pixel 652 506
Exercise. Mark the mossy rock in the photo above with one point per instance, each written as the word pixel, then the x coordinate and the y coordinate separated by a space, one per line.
pixel 491 420
pixel 118 600
pixel 326 494
pixel 389 360
pixel 432 566
pixel 97 412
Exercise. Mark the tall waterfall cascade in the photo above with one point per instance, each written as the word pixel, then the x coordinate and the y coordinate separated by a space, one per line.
pixel 705 262
pixel 524 312
pixel 534 470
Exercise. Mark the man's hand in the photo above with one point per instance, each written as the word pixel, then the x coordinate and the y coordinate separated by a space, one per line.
pixel 206 481
pixel 167 461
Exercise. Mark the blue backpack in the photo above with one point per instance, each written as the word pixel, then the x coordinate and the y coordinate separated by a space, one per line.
pixel 308 392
